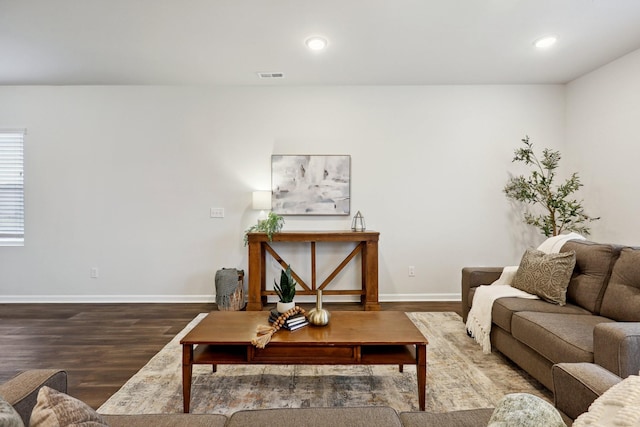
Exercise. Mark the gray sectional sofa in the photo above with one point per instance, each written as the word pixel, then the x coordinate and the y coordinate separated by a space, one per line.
pixel 22 391
pixel 595 337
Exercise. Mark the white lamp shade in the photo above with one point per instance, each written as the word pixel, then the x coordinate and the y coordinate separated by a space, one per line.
pixel 262 200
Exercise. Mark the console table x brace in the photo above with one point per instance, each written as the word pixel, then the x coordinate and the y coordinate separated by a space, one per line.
pixel 366 246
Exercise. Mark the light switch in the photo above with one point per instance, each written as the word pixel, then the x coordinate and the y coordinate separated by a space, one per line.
pixel 217 213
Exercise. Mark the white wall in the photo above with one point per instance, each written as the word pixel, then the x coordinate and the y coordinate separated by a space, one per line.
pixel 603 143
pixel 122 178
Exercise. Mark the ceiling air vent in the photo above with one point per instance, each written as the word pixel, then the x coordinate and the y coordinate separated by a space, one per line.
pixel 271 75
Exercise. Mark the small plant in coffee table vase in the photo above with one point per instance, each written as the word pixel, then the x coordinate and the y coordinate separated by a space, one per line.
pixel 286 290
pixel 560 212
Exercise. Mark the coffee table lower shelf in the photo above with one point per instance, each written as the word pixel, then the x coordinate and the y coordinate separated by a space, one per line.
pixel 295 354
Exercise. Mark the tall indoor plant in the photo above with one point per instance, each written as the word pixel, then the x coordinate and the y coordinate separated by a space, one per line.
pixel 560 211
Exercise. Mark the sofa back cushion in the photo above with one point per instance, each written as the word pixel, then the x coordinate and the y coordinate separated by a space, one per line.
pixel 591 273
pixel 621 300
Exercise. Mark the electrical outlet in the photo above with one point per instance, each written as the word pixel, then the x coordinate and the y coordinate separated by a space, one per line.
pixel 217 213
pixel 412 271
pixel 94 273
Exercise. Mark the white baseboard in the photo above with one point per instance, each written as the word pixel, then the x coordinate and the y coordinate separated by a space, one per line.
pixel 105 299
pixel 419 297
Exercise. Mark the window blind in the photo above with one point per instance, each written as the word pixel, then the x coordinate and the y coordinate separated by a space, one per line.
pixel 11 187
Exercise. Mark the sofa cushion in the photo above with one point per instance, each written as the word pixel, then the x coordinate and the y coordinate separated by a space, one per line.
pixel 622 296
pixel 557 337
pixel 504 308
pixel 465 418
pixel 591 273
pixel 545 275
pixel 166 420
pixel 329 417
pixel 55 408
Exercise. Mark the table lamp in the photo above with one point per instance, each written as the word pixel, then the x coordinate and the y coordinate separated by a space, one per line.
pixel 262 203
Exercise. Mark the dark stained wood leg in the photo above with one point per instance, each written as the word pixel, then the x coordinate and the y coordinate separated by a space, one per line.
pixel 370 275
pixel 187 370
pixel 214 368
pixel 421 365
pixel 401 368
pixel 363 274
pixel 263 274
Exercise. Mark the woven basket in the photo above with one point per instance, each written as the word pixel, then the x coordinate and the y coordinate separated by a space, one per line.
pixel 236 299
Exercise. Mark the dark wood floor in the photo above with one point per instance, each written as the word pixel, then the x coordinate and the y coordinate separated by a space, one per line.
pixel 102 345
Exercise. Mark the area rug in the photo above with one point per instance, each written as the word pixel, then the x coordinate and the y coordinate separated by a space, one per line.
pixel 459 376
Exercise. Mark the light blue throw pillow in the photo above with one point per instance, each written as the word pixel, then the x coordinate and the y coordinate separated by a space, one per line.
pixel 8 416
pixel 525 410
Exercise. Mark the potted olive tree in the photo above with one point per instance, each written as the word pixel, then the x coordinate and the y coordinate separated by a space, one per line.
pixel 558 211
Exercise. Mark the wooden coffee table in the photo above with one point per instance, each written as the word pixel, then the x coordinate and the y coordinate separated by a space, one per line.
pixel 351 338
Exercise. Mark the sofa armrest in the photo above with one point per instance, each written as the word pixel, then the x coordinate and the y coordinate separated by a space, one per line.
pixel 577 385
pixel 616 347
pixel 21 391
pixel 473 277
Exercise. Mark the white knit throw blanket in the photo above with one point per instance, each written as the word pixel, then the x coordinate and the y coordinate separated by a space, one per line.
pixel 479 318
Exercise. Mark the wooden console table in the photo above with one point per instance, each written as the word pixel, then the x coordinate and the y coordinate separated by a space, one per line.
pixel 366 246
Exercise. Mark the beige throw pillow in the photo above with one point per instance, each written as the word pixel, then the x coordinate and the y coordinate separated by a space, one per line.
pixel 545 275
pixel 55 408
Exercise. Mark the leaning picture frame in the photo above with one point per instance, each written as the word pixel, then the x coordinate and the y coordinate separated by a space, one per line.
pixel 311 184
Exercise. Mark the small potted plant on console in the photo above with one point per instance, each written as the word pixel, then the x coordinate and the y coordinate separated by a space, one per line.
pixel 286 290
pixel 273 224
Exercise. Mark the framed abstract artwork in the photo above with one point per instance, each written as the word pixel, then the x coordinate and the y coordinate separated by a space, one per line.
pixel 311 185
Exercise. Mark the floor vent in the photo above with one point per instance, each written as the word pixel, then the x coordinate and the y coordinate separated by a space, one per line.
pixel 271 75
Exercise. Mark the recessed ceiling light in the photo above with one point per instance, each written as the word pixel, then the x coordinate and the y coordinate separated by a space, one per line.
pixel 316 43
pixel 545 42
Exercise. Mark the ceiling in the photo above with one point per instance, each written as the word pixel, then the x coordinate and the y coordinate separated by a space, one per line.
pixel 371 42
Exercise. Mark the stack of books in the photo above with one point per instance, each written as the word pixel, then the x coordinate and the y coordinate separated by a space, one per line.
pixel 294 322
